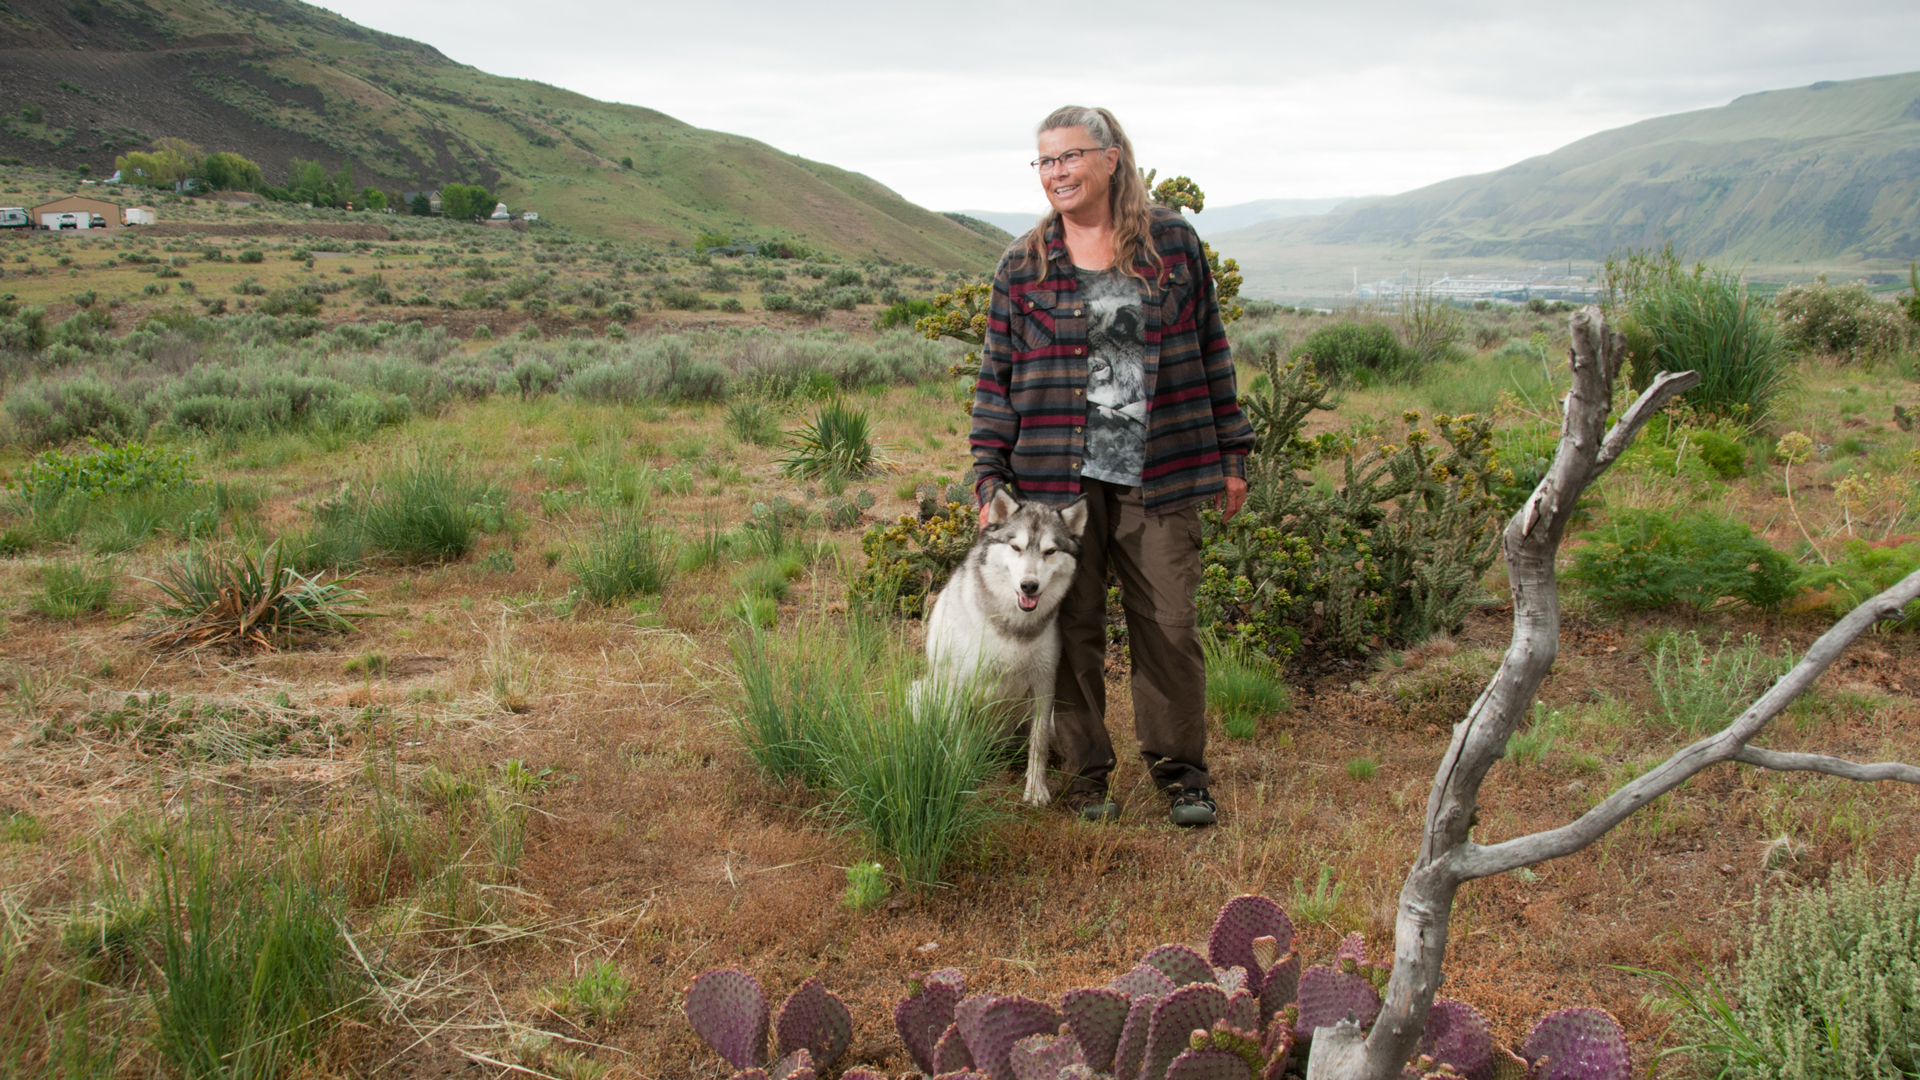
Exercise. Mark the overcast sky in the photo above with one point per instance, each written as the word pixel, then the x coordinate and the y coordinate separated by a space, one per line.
pixel 1253 100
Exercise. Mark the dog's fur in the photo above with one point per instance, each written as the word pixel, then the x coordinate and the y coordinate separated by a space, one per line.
pixel 982 634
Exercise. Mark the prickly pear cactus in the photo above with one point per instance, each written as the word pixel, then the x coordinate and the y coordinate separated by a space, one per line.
pixel 1328 996
pixel 1041 1057
pixel 1144 980
pixel 1459 1037
pixel 1242 922
pixel 1191 1008
pixel 862 1073
pixel 992 1023
pixel 1208 1064
pixel 950 1053
pixel 1096 1015
pixel 797 1065
pixel 727 1008
pixel 1577 1044
pixel 1280 985
pixel 1133 1037
pixel 1180 964
pixel 813 1020
pixel 925 1014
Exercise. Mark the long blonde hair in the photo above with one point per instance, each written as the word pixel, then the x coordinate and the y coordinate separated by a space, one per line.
pixel 1126 198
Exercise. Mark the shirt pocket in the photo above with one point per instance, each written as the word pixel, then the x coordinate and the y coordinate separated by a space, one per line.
pixel 1033 319
pixel 1180 294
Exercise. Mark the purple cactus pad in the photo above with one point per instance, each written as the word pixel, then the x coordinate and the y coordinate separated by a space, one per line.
pixel 1144 980
pixel 797 1065
pixel 1231 979
pixel 861 1072
pixel 1041 1057
pixel 1243 1011
pixel 922 1018
pixel 1244 918
pixel 1133 1036
pixel 950 1052
pixel 1280 986
pixel 992 1023
pixel 815 1020
pixel 1180 964
pixel 963 1074
pixel 1328 996
pixel 1183 1012
pixel 1352 947
pixel 1208 1064
pixel 1579 1044
pixel 1458 1036
pixel 1277 1047
pixel 1096 1016
pixel 727 1008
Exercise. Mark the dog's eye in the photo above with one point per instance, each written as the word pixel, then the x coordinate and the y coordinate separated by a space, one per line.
pixel 1017 548
pixel 1044 552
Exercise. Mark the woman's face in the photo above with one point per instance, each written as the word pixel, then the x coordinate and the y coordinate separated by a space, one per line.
pixel 1083 184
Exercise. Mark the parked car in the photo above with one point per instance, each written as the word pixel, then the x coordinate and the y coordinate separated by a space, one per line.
pixel 67 221
pixel 14 217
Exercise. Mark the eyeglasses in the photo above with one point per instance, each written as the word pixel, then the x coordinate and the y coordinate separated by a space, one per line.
pixel 1070 158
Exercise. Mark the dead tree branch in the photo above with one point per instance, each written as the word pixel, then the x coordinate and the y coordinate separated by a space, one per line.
pixel 1448 857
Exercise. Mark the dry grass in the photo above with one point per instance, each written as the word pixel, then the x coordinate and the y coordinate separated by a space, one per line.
pixel 660 851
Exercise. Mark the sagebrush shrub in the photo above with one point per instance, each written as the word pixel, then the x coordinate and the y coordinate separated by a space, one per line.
pixel 1651 559
pixel 1827 987
pixel 1357 351
pixel 1842 320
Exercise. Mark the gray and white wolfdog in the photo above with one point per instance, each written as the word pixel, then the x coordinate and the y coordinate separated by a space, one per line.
pixel 994 632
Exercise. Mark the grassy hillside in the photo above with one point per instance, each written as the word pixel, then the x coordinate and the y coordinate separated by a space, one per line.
pixel 278 80
pixel 1825 175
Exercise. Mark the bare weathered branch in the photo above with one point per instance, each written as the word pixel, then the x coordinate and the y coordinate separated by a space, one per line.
pixel 1832 766
pixel 1473 861
pixel 1448 857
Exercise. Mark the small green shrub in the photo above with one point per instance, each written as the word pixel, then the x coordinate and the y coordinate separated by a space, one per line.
pixel 627 557
pixel 866 886
pixel 1357 352
pixel 69 590
pixel 238 599
pixel 598 994
pixel 1701 689
pixel 1362 768
pixel 1651 559
pixel 838 441
pixel 1539 737
pixel 1865 571
pixel 1242 686
pixel 902 313
pixel 1826 987
pixel 108 470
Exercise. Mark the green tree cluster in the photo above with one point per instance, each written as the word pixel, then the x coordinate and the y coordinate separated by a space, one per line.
pixel 464 202
pixel 172 161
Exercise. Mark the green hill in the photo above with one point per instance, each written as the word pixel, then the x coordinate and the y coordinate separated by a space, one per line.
pixel 1825 174
pixel 277 80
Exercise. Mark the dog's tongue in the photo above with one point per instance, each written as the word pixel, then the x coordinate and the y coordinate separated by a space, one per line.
pixel 1027 603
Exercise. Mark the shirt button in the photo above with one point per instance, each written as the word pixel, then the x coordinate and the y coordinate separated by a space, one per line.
pixel 1077 351
pixel 1076 431
pixel 1076 466
pixel 1076 311
pixel 1076 393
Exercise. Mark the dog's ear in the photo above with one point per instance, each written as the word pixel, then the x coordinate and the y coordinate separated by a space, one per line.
pixel 1002 506
pixel 1074 517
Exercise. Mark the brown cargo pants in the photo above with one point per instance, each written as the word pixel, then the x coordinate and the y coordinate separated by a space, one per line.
pixel 1157 559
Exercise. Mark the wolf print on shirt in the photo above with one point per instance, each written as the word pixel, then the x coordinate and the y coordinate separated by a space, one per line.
pixel 1116 378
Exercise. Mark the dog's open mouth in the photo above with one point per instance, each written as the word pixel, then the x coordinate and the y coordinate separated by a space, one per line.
pixel 1027 603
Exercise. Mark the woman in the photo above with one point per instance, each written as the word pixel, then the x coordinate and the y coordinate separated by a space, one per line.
pixel 1106 373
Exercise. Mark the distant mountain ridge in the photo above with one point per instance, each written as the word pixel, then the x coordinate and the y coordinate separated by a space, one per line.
pixel 277 80
pixel 1215 219
pixel 1826 171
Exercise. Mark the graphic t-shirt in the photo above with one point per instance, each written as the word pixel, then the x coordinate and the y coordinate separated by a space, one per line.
pixel 1116 377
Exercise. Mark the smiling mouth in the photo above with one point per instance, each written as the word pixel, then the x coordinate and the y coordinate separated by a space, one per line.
pixel 1027 603
pixel 1065 190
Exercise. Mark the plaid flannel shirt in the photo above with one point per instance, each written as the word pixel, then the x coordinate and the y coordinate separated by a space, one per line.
pixel 1030 402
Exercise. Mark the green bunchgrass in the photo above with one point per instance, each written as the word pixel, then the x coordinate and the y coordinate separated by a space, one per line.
pixel 598 993
pixel 69 590
pixel 1707 322
pixel 1362 768
pixel 255 968
pixel 837 442
pixel 789 691
pixel 626 557
pixel 234 597
pixel 753 421
pixel 1701 689
pixel 424 511
pixel 908 766
pixel 19 827
pixel 1538 740
pixel 1242 686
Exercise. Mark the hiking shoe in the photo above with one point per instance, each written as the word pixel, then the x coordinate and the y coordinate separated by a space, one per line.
pixel 1091 805
pixel 1193 806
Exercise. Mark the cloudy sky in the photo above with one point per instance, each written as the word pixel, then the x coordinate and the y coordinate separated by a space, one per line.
pixel 1253 100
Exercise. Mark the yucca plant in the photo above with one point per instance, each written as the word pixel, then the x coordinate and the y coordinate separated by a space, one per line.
pixel 236 599
pixel 837 442
pixel 1707 322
